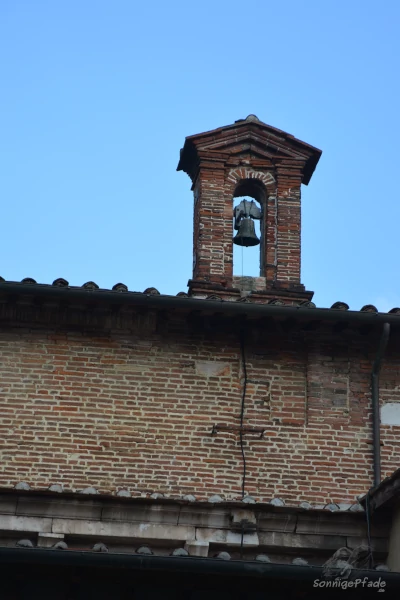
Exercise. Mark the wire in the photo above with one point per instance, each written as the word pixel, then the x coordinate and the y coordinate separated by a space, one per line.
pixel 242 270
pixel 243 353
pixel 246 216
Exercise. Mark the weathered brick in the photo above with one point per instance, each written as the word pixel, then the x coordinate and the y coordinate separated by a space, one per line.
pixel 151 435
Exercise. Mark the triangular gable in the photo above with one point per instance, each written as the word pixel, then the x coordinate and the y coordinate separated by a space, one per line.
pixel 250 136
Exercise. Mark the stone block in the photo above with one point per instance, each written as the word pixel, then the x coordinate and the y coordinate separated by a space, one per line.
pixel 223 536
pixel 8 505
pixel 218 536
pixel 335 524
pixel 240 516
pixel 15 523
pixel 141 514
pixel 249 539
pixel 104 529
pixel 277 522
pixel 284 541
pixel 207 518
pixel 57 508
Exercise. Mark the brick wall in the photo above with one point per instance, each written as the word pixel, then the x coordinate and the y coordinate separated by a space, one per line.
pixel 136 411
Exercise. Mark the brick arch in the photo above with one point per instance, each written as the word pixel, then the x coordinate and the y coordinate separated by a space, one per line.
pixel 242 174
pixel 246 181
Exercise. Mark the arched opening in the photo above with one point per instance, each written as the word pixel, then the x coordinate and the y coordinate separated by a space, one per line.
pixel 249 203
pixel 246 259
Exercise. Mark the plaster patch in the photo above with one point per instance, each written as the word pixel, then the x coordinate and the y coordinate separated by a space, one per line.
pixel 212 368
pixel 390 413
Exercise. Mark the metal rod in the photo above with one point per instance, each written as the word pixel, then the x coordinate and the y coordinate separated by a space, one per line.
pixel 238 428
pixel 376 424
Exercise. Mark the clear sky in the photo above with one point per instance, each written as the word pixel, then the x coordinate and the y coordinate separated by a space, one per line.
pixel 96 100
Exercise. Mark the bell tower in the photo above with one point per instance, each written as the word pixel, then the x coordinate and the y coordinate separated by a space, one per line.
pixel 268 166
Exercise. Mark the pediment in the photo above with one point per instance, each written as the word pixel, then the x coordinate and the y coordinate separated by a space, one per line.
pixel 259 141
pixel 251 137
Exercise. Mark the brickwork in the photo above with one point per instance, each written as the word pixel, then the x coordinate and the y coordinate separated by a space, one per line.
pixel 213 245
pixel 137 411
pixel 242 160
pixel 149 400
pixel 390 392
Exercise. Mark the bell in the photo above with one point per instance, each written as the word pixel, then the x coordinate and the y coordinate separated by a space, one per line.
pixel 246 236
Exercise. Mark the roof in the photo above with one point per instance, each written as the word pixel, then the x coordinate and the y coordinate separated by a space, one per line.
pixel 56 491
pixel 237 568
pixel 91 294
pixel 261 140
pixel 385 495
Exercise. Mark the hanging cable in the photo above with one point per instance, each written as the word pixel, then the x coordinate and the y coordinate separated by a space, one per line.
pixel 243 354
pixel 242 283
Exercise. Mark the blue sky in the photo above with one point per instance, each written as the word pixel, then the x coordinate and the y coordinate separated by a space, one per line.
pixel 97 98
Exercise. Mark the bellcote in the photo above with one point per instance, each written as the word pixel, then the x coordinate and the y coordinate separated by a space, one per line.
pixel 267 166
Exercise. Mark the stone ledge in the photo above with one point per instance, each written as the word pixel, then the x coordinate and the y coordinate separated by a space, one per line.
pixel 125 530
